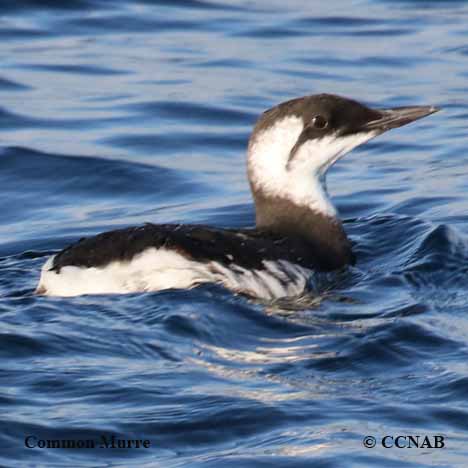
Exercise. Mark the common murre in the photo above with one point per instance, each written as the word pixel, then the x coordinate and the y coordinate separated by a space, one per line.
pixel 297 228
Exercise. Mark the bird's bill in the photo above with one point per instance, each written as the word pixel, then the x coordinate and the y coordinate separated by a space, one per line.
pixel 399 116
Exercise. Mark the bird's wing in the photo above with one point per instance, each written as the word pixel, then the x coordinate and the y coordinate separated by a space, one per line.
pixel 244 247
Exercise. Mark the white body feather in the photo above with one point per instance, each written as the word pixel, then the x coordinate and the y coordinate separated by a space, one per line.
pixel 159 269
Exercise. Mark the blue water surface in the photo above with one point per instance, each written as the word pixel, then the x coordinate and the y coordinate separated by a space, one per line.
pixel 124 112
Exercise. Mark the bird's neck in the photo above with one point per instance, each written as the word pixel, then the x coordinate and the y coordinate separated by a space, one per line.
pixel 291 199
pixel 322 231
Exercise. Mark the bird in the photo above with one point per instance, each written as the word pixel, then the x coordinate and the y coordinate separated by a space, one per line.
pixel 297 228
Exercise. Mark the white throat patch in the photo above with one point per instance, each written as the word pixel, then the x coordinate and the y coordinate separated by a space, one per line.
pixel 268 156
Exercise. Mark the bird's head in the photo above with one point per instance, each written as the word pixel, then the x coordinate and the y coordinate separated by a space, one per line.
pixel 295 143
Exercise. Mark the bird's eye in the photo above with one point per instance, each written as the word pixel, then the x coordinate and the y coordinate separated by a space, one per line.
pixel 319 122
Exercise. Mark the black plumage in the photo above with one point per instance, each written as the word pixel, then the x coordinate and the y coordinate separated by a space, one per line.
pixel 247 248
